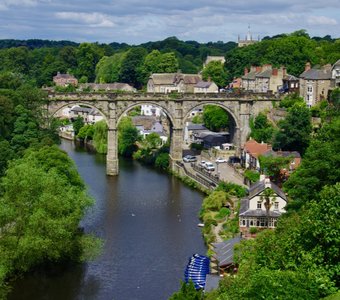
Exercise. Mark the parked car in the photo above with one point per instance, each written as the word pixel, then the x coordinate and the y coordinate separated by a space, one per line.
pixel 189 158
pixel 220 160
pixel 209 166
pixel 202 163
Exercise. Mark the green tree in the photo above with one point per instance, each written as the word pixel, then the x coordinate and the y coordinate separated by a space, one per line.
pixel 215 71
pixel 215 118
pixel 78 124
pixel 153 141
pixel 319 167
pixel 162 161
pixel 295 131
pixel 268 195
pixel 108 69
pixel 100 136
pixel 127 137
pixel 6 155
pixel 40 213
pixel 261 129
pixel 87 56
pixel 131 65
pixel 272 166
pixel 86 132
pixel 187 292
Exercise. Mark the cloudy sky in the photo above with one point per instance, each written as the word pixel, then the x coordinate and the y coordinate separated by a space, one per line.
pixel 138 21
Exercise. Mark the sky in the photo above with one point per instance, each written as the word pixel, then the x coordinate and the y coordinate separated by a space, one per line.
pixel 139 21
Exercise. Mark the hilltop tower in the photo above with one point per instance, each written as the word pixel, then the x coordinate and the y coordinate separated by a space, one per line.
pixel 248 39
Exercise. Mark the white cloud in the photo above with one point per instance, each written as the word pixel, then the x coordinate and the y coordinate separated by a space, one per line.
pixel 321 20
pixel 92 19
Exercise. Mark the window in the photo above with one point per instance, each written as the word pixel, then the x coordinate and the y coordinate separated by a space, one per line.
pixel 276 205
pixel 244 222
pixel 259 204
pixel 309 89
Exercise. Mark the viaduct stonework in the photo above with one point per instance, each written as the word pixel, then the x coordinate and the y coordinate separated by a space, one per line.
pixel 113 106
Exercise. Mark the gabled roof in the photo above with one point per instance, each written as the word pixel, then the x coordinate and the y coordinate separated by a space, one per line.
pixel 256 149
pixel 317 74
pixel 163 78
pixel 290 77
pixel 193 126
pixel 260 186
pixel 336 64
pixel 188 78
pixel 64 76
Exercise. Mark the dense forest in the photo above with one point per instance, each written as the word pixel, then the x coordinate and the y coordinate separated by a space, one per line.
pixel 39 60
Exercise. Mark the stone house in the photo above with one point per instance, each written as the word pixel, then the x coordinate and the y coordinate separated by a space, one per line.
pixel 262 79
pixel 253 212
pixel 64 80
pixel 315 84
pixel 116 86
pixel 170 82
pixel 206 87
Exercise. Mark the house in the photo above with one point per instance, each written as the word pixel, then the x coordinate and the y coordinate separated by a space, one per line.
pixel 206 87
pixel 290 84
pixel 192 130
pixel 236 83
pixel 315 83
pixel 250 154
pixel 151 110
pixel 222 261
pixel 116 86
pixel 262 79
pixel 64 80
pixel 213 58
pixel 172 82
pixel 83 112
pixel 248 79
pixel 156 128
pixel 186 82
pixel 336 75
pixel 253 211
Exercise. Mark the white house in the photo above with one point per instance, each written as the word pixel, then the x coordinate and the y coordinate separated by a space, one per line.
pixel 150 110
pixel 253 212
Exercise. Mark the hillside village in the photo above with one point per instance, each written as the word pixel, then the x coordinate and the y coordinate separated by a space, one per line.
pixel 288 163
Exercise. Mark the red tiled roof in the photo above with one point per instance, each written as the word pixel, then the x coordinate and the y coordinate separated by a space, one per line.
pixel 256 149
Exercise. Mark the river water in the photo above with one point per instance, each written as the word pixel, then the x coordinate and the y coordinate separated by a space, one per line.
pixel 148 221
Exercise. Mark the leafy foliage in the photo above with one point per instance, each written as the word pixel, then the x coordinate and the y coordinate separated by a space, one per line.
pixel 127 137
pixel 216 72
pixel 261 129
pixel 272 166
pixel 215 118
pixel 100 136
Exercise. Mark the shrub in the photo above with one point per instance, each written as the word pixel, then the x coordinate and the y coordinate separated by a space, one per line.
pixel 162 161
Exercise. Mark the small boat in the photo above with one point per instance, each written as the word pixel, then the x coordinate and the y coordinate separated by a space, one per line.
pixel 200 225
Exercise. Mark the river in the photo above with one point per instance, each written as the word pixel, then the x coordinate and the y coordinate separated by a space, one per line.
pixel 148 221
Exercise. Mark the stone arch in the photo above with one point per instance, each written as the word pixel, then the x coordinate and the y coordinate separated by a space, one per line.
pixel 235 125
pixel 61 104
pixel 229 111
pixel 131 106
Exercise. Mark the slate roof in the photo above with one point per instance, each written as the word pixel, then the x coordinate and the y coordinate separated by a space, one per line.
pixel 266 73
pixel 317 74
pixel 81 109
pixel 224 251
pixel 196 127
pixel 65 76
pixel 250 76
pixel 260 186
pixel 189 78
pixel 203 84
pixel 108 86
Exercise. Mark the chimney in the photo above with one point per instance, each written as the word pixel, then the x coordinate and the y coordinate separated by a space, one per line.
pixel 253 69
pixel 269 147
pixel 267 183
pixel 258 69
pixel 307 67
pixel 284 71
pixel 245 71
pixel 275 72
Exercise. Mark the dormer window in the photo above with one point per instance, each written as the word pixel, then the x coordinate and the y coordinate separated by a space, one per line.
pixel 276 205
pixel 259 204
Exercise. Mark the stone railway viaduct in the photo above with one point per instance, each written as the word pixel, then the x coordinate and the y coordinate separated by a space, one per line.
pixel 177 107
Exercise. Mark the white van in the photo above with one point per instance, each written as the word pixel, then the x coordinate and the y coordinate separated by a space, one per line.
pixel 209 166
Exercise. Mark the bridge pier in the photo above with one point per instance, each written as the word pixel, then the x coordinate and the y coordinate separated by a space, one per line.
pixel 176 147
pixel 112 166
